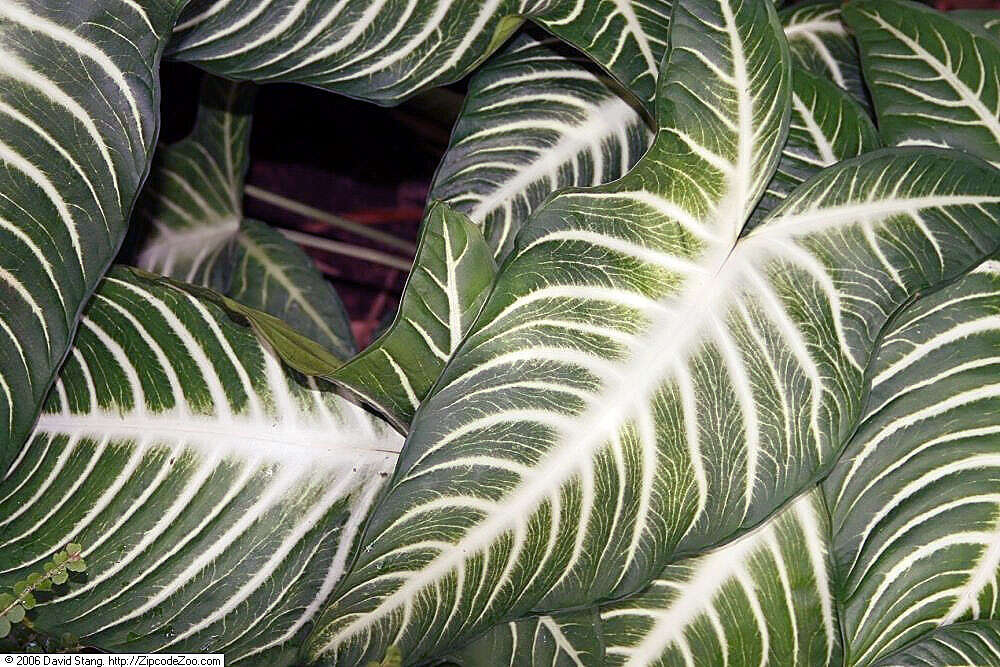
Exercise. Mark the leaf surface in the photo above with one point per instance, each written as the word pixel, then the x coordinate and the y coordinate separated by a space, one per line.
pixel 538 118
pixel 934 81
pixel 78 120
pixel 821 44
pixel 217 495
pixel 676 380
pixel 192 205
pixel 915 498
pixel 387 51
pixel 451 276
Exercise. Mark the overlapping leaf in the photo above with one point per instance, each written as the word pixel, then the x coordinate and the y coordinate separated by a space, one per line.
pixel 916 498
pixel 537 118
pixel 676 380
pixel 987 20
pixel 972 644
pixel 764 599
pixel 79 91
pixel 385 51
pixel 821 44
pixel 218 496
pixel 933 80
pixel 193 208
pixel 570 639
pixel 451 276
pixel 826 126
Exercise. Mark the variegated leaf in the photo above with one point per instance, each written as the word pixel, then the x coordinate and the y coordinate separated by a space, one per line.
pixel 826 126
pixel 385 51
pixel 218 496
pixel 971 644
pixel 934 81
pixel 570 639
pixel 916 497
pixel 676 379
pixel 79 90
pixel 764 599
pixel 821 44
pixel 192 207
pixel 451 276
pixel 537 118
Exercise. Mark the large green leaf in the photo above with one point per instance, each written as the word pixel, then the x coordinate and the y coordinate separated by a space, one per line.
pixel 537 118
pixel 820 43
pixel 826 126
pixel 916 498
pixel 987 20
pixel 79 91
pixel 971 644
pixel 192 205
pixel 385 51
pixel 451 276
pixel 933 80
pixel 217 495
pixel 676 380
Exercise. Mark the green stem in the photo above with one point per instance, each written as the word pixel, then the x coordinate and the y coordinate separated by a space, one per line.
pixel 31 588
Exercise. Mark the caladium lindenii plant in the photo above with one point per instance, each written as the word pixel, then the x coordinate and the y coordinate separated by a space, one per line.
pixel 696 363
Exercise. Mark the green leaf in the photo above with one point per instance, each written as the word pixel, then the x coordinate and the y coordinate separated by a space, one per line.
pixel 193 208
pixel 4 626
pixel 60 558
pixel 364 52
pixel 915 500
pixel 821 44
pixel 219 494
pixel 15 614
pixel 970 644
pixel 78 565
pixel 59 577
pixel 5 600
pixel 570 638
pixel 192 201
pixel 763 599
pixel 646 380
pixel 451 277
pixel 987 20
pixel 934 81
pixel 538 117
pixel 28 601
pixel 73 549
pixel 78 119
pixel 826 127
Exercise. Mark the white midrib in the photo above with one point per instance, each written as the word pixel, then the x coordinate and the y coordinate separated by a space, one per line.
pixel 271 439
pixel 983 575
pixel 574 448
pixel 605 120
pixel 815 131
pixel 451 292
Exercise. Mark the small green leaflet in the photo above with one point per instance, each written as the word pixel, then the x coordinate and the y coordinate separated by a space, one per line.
pixel 192 205
pixel 538 117
pixel 218 495
pixel 934 81
pixel 78 119
pixel 451 276
pixel 821 44
pixel 677 379
pixel 385 52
